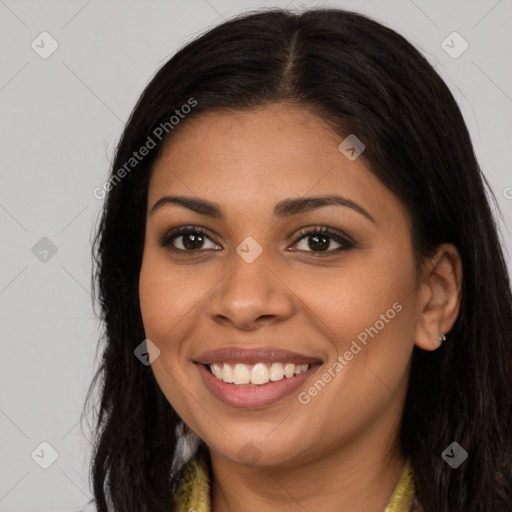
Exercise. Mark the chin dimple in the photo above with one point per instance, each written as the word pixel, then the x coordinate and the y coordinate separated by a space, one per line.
pixel 257 374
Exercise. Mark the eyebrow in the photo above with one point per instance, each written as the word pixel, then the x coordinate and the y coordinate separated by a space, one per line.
pixel 285 208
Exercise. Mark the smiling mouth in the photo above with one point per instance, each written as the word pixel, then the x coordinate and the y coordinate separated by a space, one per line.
pixel 257 374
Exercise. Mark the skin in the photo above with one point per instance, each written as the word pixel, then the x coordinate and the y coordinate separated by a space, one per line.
pixel 340 448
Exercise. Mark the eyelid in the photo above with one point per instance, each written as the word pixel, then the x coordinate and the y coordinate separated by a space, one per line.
pixel 339 236
pixel 331 232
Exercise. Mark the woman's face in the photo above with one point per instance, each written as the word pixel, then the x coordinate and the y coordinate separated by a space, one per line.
pixel 257 291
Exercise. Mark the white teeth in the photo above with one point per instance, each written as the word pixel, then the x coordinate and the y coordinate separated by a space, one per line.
pixel 300 368
pixel 241 374
pixel 217 371
pixel 227 373
pixel 289 370
pixel 276 371
pixel 257 374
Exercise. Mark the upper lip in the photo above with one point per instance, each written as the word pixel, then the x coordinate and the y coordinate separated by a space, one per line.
pixel 253 356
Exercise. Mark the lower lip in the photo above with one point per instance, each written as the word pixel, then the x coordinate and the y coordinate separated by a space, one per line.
pixel 248 397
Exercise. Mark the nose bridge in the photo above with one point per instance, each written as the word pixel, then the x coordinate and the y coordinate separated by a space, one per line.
pixel 250 289
pixel 248 279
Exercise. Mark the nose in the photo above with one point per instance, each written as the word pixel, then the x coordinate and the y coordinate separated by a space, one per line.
pixel 250 295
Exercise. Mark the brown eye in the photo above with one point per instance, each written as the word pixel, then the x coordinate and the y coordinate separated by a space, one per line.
pixel 187 240
pixel 319 240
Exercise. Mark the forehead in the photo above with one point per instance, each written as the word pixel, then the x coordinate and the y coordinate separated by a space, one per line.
pixel 232 139
pixel 257 157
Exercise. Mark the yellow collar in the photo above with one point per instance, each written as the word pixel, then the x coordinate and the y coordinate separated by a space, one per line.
pixel 194 489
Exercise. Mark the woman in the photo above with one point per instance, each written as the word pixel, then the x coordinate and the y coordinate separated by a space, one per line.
pixel 306 304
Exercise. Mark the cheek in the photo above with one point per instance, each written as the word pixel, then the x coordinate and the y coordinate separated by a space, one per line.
pixel 164 306
pixel 368 313
pixel 352 299
pixel 155 300
pixel 167 296
pixel 173 302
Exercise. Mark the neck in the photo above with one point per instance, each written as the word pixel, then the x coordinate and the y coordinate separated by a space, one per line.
pixel 361 476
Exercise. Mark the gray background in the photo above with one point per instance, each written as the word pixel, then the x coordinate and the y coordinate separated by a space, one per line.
pixel 61 118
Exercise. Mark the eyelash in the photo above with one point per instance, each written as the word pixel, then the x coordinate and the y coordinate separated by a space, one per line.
pixel 345 241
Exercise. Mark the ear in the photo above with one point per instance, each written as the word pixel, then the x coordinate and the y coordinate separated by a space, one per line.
pixel 439 297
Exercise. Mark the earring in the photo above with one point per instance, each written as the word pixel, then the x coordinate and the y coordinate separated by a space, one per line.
pixel 442 338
